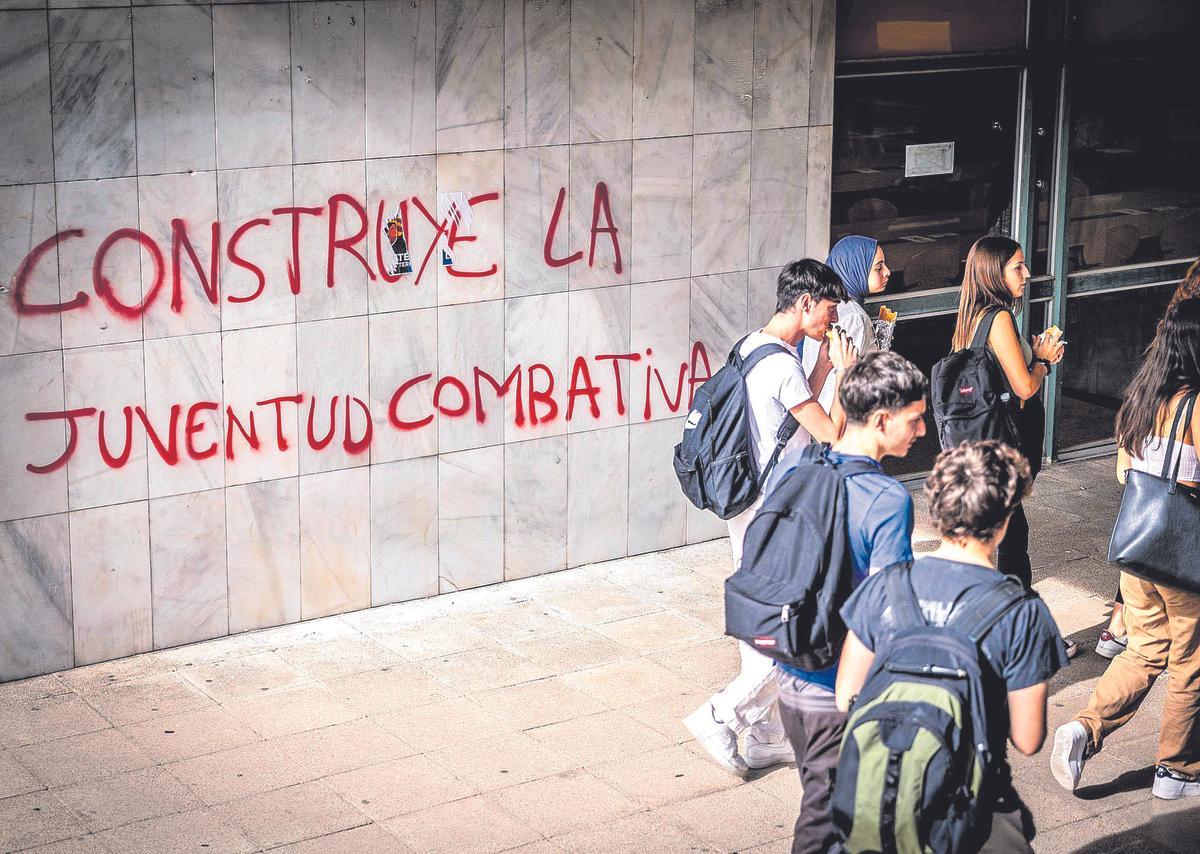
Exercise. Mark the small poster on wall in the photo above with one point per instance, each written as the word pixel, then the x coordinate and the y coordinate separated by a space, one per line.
pixel 395 242
pixel 454 209
pixel 931 158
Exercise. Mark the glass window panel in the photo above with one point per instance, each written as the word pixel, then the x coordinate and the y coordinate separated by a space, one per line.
pixel 922 341
pixel 869 29
pixel 1106 336
pixel 925 222
pixel 1122 22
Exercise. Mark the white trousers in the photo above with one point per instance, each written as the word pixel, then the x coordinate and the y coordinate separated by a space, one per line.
pixel 751 700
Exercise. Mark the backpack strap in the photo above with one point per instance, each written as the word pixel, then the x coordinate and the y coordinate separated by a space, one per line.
pixel 789 425
pixel 985 327
pixel 978 617
pixel 901 596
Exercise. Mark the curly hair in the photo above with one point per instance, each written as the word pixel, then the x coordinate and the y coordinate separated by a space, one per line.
pixel 975 487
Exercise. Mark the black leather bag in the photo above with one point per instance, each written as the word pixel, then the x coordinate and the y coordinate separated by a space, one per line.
pixel 1157 534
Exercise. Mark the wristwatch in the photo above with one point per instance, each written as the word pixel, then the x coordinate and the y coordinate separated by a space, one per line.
pixel 1049 367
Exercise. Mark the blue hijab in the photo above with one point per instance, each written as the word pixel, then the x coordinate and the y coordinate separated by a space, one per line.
pixel 851 259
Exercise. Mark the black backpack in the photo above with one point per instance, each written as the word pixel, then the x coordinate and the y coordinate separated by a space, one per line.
pixel 716 463
pixel 914 770
pixel 797 569
pixel 971 399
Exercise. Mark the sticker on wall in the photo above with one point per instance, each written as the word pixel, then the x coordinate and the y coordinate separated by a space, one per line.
pixel 395 256
pixel 933 158
pixel 454 209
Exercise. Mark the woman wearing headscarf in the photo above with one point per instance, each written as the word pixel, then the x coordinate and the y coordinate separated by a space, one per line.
pixel 860 264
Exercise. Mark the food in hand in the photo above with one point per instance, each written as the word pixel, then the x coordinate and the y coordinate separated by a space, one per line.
pixel 1054 332
pixel 886 314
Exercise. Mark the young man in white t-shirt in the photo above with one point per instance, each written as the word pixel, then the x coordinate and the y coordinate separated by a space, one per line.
pixel 806 307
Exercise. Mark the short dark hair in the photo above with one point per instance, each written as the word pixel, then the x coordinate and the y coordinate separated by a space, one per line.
pixel 880 380
pixel 975 487
pixel 807 276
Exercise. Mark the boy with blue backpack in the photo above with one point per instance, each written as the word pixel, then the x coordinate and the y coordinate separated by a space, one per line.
pixel 945 661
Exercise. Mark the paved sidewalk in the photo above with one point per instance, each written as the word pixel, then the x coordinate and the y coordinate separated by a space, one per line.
pixel 541 715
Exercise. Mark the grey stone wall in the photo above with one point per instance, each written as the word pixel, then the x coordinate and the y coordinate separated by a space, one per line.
pixel 165 310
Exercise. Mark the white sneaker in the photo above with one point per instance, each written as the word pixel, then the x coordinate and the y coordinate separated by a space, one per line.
pixel 1067 758
pixel 1109 645
pixel 717 738
pixel 764 754
pixel 1169 785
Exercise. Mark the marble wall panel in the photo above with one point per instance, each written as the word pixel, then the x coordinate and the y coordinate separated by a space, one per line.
pixel 778 200
pixel 470 75
pixel 479 255
pixel 91 74
pixel 824 39
pixel 537 72
pixel 109 378
pixel 110 582
pixel 403 348
pixel 533 179
pixel 332 363
pixel 601 70
pixel 173 66
pixel 782 61
pixel 664 46
pixel 819 201
pixel 535 334
pixel 328 81
pixel 719 316
pixel 400 66
pixel 35 610
pixel 535 492
pixel 335 542
pixel 724 63
pixel 32 383
pixel 661 233
pixel 315 186
pixel 260 365
pixel 184 371
pixel 190 589
pixel 720 203
pixel 28 154
pixel 760 302
pixel 470 518
pixel 659 324
pixel 398 184
pixel 98 208
pixel 703 526
pixel 597 495
pixel 252 53
pixel 404 530
pixel 610 164
pixel 657 508
pixel 247 196
pixel 192 199
pixel 27 217
pixel 471 336
pixel 598 323
pixel 262 526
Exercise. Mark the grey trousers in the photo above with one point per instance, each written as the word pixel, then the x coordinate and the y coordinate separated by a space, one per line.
pixel 814 726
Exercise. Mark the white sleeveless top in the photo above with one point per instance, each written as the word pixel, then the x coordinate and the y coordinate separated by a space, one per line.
pixel 1155 452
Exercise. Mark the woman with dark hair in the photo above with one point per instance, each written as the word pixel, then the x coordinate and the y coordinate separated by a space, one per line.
pixel 1163 623
pixel 1190 286
pixel 993 284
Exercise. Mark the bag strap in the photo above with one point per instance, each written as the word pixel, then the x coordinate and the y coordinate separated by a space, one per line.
pixel 901 596
pixel 981 615
pixel 985 327
pixel 1188 403
pixel 787 429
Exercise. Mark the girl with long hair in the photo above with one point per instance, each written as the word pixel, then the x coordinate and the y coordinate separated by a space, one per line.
pixel 1163 623
pixel 995 278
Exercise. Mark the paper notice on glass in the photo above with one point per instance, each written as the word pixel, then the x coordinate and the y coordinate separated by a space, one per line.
pixel 932 158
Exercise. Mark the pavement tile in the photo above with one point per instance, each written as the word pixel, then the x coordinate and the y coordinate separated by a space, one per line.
pixel 522 621
pixel 386 617
pixel 665 714
pixel 241 771
pixel 33 688
pixel 457 827
pixel 550 583
pixel 321 630
pixel 779 846
pixel 15 778
pixel 624 683
pixel 445 723
pixel 638 572
pixel 712 664
pixel 35 819
pixel 662 630
pixel 642 831
pixel 146 697
pixel 82 757
pixel 190 734
pixel 600 603
pixel 201 830
pixel 93 676
pixel 599 737
pixel 210 651
pixel 481 669
pixel 540 847
pixel 244 676
pixel 89 844
pixel 665 775
pixel 343 747
pixel 291 815
pixel 125 798
pixel 367 837
pixel 290 710
pixel 433 638
pixel 481 599
pixel 578 649
pixel 540 803
pixel 494 764
pixel 684 588
pixel 781 782
pixel 535 704
pixel 329 659
pixel 399 786
pixel 390 688
pixel 748 817
pixel 28 720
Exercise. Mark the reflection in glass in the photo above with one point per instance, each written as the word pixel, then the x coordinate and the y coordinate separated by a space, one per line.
pixel 869 29
pixel 925 205
pixel 922 341
pixel 1118 22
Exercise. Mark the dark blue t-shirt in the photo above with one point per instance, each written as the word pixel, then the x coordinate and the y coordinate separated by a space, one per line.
pixel 879 521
